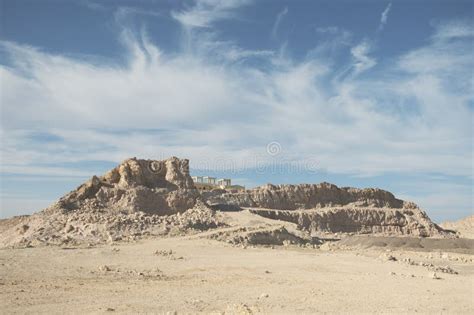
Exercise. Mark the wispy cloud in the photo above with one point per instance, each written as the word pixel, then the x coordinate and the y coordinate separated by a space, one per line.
pixel 278 20
pixel 215 109
pixel 210 99
pixel 362 60
pixel 456 29
pixel 384 17
pixel 204 12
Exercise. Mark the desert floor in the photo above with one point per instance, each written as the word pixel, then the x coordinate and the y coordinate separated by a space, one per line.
pixel 202 275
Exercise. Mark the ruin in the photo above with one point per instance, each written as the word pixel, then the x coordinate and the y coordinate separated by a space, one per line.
pixel 206 183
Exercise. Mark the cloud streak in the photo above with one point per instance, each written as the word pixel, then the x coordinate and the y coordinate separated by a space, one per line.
pixel 384 17
pixel 205 12
pixel 362 60
pixel 278 20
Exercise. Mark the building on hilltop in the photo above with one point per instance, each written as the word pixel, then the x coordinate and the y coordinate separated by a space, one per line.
pixel 209 183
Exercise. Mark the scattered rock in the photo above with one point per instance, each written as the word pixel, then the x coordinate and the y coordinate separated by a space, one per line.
pixel 446 269
pixel 388 257
pixel 104 268
pixel 434 276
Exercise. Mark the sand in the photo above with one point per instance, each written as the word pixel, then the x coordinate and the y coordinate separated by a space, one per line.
pixel 208 276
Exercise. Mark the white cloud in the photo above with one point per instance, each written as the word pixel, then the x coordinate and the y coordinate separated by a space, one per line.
pixel 278 20
pixel 362 60
pixel 206 12
pixel 384 16
pixel 219 111
pixel 455 29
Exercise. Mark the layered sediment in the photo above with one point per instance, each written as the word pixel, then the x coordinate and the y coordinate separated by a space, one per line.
pixel 327 208
pixel 157 197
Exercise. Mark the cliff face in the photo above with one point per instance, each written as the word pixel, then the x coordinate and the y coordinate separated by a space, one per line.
pixel 306 196
pixel 327 208
pixel 364 220
pixel 152 186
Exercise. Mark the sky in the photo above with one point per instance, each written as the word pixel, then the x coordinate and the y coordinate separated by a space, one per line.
pixel 356 93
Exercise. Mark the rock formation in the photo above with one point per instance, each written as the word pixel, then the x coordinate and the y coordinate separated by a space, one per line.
pixel 136 199
pixel 150 197
pixel 363 220
pixel 151 186
pixel 327 208
pixel 464 227
pixel 306 196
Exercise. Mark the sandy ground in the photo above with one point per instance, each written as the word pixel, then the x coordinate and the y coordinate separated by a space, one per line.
pixel 202 275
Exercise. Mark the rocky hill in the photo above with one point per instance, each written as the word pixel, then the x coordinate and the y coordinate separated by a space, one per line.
pixel 151 186
pixel 142 198
pixel 137 198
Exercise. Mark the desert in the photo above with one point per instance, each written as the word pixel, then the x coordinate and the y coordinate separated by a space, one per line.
pixel 273 249
pixel 236 157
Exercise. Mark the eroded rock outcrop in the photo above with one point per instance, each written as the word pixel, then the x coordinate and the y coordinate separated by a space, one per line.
pixel 326 208
pixel 306 196
pixel 382 221
pixel 135 199
pixel 150 197
pixel 152 186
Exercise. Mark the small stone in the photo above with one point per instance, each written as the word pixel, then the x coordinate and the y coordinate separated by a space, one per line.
pixel 435 276
pixel 388 257
pixel 264 295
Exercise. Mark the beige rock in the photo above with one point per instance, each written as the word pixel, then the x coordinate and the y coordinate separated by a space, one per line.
pixel 324 207
pixel 464 227
pixel 307 196
pixel 152 186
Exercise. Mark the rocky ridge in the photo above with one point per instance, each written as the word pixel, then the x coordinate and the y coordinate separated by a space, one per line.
pixel 306 196
pixel 141 198
pixel 326 208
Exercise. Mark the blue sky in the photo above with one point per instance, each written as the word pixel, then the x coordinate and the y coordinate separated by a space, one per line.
pixel 357 93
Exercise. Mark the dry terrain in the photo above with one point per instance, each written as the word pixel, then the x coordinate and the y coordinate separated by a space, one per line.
pixel 191 274
pixel 143 239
